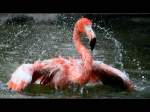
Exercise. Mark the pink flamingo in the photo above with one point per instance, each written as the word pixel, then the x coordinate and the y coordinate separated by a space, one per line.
pixel 60 72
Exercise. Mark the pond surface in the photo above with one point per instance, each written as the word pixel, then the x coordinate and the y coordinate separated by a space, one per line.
pixel 124 45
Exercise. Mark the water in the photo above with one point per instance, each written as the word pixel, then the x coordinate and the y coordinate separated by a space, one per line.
pixel 124 46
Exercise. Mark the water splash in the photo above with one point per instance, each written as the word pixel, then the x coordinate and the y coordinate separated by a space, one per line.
pixel 26 43
pixel 116 47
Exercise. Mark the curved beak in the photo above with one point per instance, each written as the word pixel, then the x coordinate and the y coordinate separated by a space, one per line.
pixel 91 36
pixel 93 43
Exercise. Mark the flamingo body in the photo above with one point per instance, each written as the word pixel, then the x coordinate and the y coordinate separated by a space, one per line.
pixel 60 72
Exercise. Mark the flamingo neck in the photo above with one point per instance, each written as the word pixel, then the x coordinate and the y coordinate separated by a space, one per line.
pixel 83 52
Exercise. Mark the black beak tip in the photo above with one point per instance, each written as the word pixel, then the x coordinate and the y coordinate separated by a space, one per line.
pixel 92 43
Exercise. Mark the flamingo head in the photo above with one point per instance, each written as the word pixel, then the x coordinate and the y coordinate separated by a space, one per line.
pixel 84 26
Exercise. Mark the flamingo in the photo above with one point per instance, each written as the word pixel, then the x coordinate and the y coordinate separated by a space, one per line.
pixel 60 72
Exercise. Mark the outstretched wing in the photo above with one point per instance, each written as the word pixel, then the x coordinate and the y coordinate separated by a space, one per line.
pixel 45 75
pixel 112 76
pixel 21 77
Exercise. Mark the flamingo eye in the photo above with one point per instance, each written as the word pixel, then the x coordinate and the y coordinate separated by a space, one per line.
pixel 89 31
